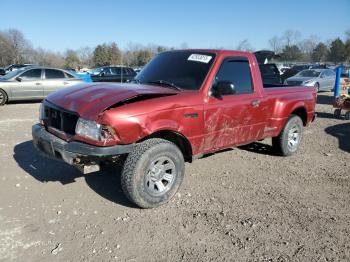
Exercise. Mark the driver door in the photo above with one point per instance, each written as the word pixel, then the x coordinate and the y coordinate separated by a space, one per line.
pixel 29 85
pixel 234 119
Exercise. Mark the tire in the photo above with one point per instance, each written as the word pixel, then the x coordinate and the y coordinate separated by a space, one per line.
pixel 3 97
pixel 288 141
pixel 337 113
pixel 347 115
pixel 317 86
pixel 145 180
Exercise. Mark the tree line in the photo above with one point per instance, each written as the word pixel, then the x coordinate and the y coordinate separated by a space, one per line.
pixel 16 49
pixel 292 48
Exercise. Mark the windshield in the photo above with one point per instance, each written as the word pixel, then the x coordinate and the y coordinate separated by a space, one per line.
pixel 12 74
pixel 179 69
pixel 309 73
pixel 96 71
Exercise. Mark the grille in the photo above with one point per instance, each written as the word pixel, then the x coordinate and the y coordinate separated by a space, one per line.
pixel 295 83
pixel 60 119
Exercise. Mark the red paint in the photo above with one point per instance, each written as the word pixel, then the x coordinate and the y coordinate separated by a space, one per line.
pixel 220 123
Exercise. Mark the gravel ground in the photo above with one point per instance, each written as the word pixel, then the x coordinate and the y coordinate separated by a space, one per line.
pixel 244 204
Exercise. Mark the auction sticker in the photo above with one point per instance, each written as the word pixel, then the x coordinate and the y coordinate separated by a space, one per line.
pixel 200 58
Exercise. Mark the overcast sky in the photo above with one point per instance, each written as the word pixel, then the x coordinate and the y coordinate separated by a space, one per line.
pixel 57 25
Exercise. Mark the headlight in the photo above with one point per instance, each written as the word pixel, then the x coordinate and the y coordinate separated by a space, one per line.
pixel 309 82
pixel 93 130
pixel 41 113
pixel 89 129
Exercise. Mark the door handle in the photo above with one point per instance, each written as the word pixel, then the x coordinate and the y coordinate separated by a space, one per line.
pixel 38 84
pixel 255 103
pixel 65 83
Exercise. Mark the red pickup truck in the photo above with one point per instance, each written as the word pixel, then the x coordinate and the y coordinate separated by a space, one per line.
pixel 182 105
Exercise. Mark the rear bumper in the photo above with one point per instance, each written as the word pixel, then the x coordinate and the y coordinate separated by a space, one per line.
pixel 73 152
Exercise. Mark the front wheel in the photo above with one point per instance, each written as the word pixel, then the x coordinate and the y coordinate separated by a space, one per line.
pixel 152 173
pixel 288 141
pixel 317 86
pixel 3 97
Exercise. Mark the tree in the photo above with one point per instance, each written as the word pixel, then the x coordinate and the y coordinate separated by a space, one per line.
pixel 291 37
pixel 308 45
pixel 107 54
pixel 71 59
pixel 291 53
pixel 143 57
pixel 337 51
pixel 320 53
pixel 100 55
pixel 245 46
pixel 347 49
pixel 14 47
pixel 114 54
pixel 85 56
pixel 276 44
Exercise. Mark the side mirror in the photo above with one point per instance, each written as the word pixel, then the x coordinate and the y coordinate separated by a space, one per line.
pixel 19 79
pixel 223 88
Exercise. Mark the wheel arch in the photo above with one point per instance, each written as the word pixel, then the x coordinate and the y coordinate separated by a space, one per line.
pixel 175 137
pixel 301 112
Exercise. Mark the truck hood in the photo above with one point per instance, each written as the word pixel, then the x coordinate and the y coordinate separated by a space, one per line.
pixel 89 100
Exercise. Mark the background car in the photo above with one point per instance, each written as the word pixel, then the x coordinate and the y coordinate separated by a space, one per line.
pixel 294 70
pixel 31 83
pixel 322 79
pixel 113 74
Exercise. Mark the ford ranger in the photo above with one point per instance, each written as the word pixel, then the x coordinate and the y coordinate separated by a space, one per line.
pixel 182 105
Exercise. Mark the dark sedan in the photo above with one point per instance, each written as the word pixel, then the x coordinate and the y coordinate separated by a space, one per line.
pixel 112 74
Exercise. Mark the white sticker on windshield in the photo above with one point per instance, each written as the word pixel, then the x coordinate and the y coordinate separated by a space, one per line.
pixel 200 58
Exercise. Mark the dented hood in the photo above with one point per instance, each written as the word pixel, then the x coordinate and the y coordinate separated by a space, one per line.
pixel 89 100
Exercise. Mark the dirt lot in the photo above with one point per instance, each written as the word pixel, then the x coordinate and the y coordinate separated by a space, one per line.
pixel 244 204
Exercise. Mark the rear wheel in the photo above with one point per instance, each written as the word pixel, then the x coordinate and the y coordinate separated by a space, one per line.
pixel 3 97
pixel 347 115
pixel 337 113
pixel 288 141
pixel 153 172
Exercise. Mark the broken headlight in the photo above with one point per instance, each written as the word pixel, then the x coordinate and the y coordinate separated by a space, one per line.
pixel 93 130
pixel 41 113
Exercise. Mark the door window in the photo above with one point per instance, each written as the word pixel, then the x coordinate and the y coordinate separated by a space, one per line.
pixel 237 71
pixel 53 74
pixel 116 70
pixel 33 74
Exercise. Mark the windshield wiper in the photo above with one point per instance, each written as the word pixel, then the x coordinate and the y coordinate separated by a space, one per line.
pixel 164 83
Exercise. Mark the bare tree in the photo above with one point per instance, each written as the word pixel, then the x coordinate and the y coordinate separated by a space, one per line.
pixel 308 45
pixel 244 45
pixel 85 56
pixel 291 37
pixel 276 44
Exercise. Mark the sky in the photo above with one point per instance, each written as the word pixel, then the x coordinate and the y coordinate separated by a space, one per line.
pixel 60 24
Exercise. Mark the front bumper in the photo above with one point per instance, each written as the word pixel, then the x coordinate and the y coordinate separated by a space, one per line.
pixel 74 153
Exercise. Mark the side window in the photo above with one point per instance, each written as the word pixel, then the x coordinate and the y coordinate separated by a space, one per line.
pixel 53 74
pixel 116 70
pixel 237 71
pixel 68 75
pixel 33 74
pixel 107 71
pixel 125 71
